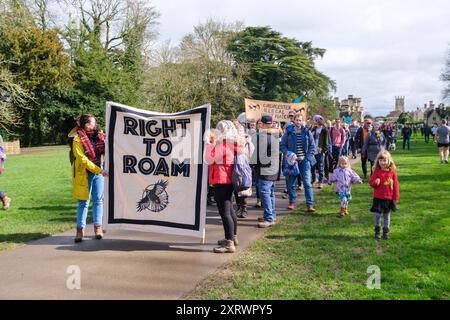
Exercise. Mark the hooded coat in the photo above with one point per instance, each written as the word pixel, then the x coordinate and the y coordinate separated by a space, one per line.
pixel 80 168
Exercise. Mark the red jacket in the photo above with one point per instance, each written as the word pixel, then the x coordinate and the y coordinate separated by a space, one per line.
pixel 388 187
pixel 220 158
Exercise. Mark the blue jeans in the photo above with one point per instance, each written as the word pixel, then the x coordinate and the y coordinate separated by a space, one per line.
pixel 267 194
pixel 319 166
pixel 305 169
pixel 95 185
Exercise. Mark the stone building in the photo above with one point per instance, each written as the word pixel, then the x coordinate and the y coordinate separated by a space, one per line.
pixel 435 115
pixel 399 109
pixel 351 107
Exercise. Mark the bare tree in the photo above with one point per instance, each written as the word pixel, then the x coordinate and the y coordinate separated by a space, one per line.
pixel 445 77
pixel 13 99
pixel 109 23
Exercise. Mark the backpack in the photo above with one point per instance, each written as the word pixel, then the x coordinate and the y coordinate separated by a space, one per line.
pixel 241 178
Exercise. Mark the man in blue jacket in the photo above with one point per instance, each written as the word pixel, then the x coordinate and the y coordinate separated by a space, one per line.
pixel 299 140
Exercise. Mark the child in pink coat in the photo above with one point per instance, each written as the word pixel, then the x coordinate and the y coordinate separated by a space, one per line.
pixel 344 176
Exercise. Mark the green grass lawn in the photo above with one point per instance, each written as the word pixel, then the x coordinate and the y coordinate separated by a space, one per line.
pixel 40 187
pixel 321 256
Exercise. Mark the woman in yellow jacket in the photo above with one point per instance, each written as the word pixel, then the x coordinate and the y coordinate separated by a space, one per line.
pixel 88 146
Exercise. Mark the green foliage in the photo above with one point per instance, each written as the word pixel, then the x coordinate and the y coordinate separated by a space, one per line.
pixel 281 68
pixel 404 118
pixel 323 105
pixel 203 73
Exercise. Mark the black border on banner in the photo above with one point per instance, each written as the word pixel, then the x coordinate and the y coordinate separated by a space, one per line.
pixel 111 131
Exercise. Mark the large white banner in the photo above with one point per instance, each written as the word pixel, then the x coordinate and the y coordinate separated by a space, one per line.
pixel 157 177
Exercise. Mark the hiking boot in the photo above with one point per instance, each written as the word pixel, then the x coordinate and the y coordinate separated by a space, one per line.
pixel 265 224
pixel 386 233
pixel 310 209
pixel 291 207
pixel 346 211
pixel 6 202
pixel 224 241
pixel 342 213
pixel 377 233
pixel 227 247
pixel 79 236
pixel 98 232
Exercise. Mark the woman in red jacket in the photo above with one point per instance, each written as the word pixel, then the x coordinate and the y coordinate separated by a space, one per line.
pixel 386 193
pixel 219 155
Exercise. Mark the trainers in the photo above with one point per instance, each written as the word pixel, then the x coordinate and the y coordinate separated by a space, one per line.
pixel 6 202
pixel 261 219
pixel 258 203
pixel 79 236
pixel 446 161
pixel 291 207
pixel 98 232
pixel 310 209
pixel 342 213
pixel 265 224
pixel 285 196
pixel 227 247
pixel 242 213
pixel 320 186
pixel 224 241
pixel 300 188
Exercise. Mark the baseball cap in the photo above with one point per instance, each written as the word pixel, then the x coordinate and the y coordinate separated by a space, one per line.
pixel 267 119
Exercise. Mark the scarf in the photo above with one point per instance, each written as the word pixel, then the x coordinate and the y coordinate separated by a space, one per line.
pixel 92 151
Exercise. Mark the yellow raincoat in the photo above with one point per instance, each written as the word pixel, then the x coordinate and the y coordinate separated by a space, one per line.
pixel 79 167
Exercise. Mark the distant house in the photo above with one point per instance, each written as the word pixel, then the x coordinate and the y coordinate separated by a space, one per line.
pixel 435 116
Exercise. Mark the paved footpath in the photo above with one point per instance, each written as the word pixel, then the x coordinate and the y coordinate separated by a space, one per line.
pixel 125 264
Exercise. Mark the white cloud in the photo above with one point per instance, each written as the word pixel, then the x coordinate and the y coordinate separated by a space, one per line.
pixel 376 49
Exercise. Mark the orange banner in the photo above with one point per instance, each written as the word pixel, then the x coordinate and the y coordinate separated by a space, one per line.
pixel 255 109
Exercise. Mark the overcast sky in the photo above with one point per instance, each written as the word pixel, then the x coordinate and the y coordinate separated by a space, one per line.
pixel 376 49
